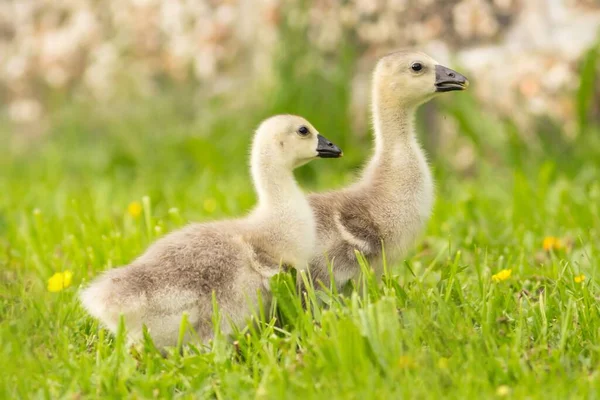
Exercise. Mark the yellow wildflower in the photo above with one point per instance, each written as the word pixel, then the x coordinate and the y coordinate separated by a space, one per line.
pixel 60 281
pixel 552 243
pixel 443 363
pixel 406 362
pixel 210 205
pixel 502 275
pixel 579 278
pixel 503 391
pixel 134 209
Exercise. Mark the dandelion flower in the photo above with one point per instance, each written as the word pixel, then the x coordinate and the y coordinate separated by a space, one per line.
pixel 210 205
pixel 443 363
pixel 406 362
pixel 134 209
pixel 503 391
pixel 502 275
pixel 60 281
pixel 552 243
pixel 579 278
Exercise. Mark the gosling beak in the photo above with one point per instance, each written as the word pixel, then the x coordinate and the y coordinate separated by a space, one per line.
pixel 326 149
pixel 447 80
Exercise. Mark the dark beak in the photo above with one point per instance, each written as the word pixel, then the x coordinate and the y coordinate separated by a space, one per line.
pixel 326 149
pixel 447 80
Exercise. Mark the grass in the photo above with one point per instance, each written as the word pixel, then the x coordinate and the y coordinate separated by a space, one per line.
pixel 438 325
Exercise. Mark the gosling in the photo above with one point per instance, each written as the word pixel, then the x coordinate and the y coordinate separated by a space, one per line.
pixel 233 259
pixel 388 207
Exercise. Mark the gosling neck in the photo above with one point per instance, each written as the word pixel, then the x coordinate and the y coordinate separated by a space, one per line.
pixel 396 146
pixel 274 183
pixel 393 125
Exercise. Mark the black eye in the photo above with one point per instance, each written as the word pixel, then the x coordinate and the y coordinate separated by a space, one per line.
pixel 303 131
pixel 416 66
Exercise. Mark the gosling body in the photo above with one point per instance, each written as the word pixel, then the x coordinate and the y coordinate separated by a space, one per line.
pixel 389 206
pixel 232 260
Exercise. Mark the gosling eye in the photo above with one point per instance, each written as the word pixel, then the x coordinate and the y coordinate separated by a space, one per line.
pixel 303 131
pixel 416 66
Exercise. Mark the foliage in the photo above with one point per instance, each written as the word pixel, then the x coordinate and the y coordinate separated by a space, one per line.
pixel 437 325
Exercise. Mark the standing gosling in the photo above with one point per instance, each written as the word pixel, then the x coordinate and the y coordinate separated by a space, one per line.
pixel 234 259
pixel 392 201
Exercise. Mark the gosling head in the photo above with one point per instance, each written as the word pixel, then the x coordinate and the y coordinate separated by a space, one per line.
pixel 409 79
pixel 291 141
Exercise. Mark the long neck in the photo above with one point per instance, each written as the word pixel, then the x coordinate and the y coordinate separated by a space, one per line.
pixel 283 214
pixel 395 140
pixel 275 185
pixel 393 124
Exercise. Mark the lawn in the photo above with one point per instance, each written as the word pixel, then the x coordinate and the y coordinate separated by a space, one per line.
pixel 499 298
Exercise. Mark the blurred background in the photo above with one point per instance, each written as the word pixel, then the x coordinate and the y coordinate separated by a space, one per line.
pixel 121 120
pixel 144 91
